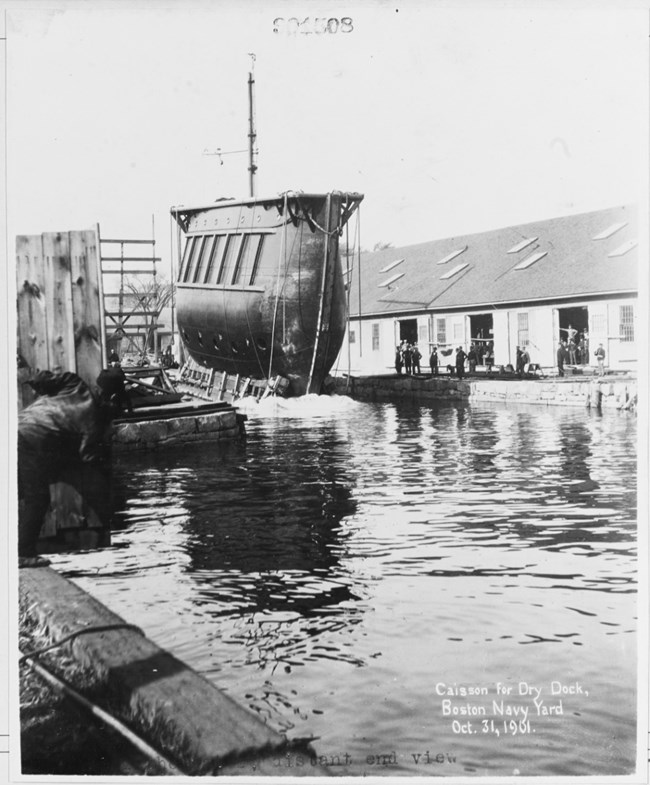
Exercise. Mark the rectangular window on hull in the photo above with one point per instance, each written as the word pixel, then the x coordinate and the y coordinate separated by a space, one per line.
pixel 626 323
pixel 248 255
pixel 256 259
pixel 204 249
pixel 229 256
pixel 212 254
pixel 188 257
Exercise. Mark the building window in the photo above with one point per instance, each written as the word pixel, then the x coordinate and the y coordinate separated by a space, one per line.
pixel 391 265
pixel 391 280
pixel 598 324
pixel 375 337
pixel 441 331
pixel 522 329
pixel 455 271
pixel 522 244
pixel 353 336
pixel 623 249
pixel 452 255
pixel 626 323
pixel 534 257
pixel 609 231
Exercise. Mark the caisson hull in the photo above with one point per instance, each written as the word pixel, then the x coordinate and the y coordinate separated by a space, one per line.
pixel 260 290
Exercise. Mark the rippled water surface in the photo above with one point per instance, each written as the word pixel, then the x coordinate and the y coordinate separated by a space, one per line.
pixel 409 584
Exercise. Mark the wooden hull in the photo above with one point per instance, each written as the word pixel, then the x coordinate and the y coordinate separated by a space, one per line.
pixel 260 290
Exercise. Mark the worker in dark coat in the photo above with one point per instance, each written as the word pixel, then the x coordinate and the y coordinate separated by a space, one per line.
pixel 460 362
pixel 112 388
pixel 60 434
pixel 433 361
pixel 561 354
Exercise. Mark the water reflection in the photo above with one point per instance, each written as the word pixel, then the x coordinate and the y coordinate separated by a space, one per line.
pixel 374 552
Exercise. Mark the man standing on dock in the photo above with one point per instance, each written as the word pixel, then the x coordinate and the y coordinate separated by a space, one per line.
pixel 560 358
pixel 460 362
pixel 433 361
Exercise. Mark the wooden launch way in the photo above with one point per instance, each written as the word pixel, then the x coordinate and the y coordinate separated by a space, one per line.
pixel 192 723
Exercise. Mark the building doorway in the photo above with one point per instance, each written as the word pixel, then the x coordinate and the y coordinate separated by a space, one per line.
pixel 573 329
pixel 481 331
pixel 408 330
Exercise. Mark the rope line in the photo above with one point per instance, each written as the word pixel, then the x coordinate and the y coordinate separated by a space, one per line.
pixel 108 719
pixel 99 628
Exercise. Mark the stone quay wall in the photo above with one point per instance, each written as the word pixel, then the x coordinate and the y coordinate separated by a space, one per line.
pixel 603 393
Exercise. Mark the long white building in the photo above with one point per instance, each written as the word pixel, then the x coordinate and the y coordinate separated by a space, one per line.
pixel 519 286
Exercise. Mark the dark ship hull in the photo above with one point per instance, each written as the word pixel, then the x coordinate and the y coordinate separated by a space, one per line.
pixel 260 290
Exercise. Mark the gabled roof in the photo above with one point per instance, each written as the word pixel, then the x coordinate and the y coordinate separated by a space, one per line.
pixel 555 258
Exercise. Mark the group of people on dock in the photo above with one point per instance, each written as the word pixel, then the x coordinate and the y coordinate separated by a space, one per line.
pixel 408 358
pixel 575 346
pixel 574 350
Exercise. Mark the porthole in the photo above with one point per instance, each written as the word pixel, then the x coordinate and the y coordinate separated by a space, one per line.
pixel 234 347
pixel 186 336
pixel 199 335
pixel 261 344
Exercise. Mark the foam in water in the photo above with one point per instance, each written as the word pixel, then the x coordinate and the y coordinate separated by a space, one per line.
pixel 307 406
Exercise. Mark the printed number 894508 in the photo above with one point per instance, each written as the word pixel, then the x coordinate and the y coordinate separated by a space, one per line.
pixel 310 25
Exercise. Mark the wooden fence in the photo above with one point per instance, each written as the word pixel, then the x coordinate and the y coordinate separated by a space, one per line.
pixel 61 328
pixel 60 314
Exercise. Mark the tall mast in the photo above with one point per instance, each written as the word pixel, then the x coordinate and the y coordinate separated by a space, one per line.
pixel 252 168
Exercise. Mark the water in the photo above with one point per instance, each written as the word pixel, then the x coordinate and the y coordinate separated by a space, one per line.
pixel 352 567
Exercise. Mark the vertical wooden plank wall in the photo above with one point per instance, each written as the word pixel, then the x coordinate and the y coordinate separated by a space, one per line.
pixel 60 316
pixel 86 304
pixel 32 319
pixel 58 302
pixel 60 309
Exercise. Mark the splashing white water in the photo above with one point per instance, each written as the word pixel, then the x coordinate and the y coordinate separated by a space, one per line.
pixel 305 407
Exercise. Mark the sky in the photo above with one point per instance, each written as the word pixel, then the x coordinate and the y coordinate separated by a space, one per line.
pixel 450 118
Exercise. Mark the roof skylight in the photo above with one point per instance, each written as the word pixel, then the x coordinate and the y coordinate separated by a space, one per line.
pixel 610 231
pixel 391 280
pixel 534 257
pixel 523 244
pixel 452 255
pixel 390 266
pixel 623 249
pixel 455 270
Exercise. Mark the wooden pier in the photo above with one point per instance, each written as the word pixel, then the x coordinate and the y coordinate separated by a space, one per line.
pixel 182 715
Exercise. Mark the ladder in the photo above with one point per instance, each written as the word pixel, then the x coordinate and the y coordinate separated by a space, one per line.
pixel 130 287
